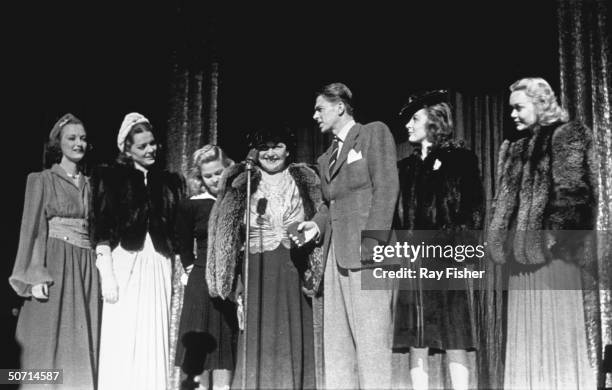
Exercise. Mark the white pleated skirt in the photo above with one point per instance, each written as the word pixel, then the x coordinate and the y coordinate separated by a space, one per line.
pixel 134 346
pixel 547 343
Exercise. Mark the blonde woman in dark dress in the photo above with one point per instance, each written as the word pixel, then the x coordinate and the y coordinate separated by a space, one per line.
pixel 208 327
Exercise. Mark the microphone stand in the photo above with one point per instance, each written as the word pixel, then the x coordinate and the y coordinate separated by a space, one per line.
pixel 249 168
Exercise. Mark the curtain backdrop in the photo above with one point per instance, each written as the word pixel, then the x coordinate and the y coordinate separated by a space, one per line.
pixel 192 121
pixel 584 59
pixel 480 121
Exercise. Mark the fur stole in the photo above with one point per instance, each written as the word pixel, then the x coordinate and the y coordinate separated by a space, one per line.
pixel 543 183
pixel 225 226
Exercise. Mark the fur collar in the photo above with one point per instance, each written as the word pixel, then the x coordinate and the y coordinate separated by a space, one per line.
pixel 529 186
pixel 227 216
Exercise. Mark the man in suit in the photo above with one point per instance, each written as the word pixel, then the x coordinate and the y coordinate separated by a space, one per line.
pixel 359 182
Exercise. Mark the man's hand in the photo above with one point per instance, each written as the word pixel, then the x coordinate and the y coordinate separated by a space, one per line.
pixel 310 230
pixel 367 249
pixel 40 291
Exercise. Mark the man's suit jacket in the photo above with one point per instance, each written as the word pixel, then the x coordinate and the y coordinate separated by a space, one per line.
pixel 358 195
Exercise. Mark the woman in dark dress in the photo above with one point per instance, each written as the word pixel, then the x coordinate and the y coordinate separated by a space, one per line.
pixel 55 269
pixel 441 191
pixel 279 328
pixel 208 327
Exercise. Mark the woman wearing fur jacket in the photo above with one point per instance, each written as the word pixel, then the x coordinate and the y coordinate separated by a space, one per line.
pixel 279 328
pixel 441 192
pixel 546 184
pixel 134 208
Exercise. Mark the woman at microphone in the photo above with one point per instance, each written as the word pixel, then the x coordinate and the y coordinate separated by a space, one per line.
pixel 279 341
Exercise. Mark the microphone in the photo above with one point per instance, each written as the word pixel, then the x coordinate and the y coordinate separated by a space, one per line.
pixel 262 204
pixel 251 158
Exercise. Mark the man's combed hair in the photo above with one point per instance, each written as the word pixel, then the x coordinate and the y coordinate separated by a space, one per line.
pixel 336 92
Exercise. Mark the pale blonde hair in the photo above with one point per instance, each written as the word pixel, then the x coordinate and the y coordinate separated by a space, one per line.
pixel 543 97
pixel 207 153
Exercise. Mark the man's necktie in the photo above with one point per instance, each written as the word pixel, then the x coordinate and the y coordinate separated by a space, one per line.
pixel 334 155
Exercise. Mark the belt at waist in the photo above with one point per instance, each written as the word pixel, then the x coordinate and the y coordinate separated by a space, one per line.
pixel 72 230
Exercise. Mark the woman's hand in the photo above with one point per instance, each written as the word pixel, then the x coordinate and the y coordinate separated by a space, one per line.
pixel 104 262
pixel 110 289
pixel 185 275
pixel 40 291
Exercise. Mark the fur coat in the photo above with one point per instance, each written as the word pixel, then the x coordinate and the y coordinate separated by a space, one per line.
pixel 225 226
pixel 444 191
pixel 124 208
pixel 546 183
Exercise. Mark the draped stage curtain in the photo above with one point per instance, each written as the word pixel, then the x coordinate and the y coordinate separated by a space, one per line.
pixel 586 91
pixel 480 120
pixel 192 122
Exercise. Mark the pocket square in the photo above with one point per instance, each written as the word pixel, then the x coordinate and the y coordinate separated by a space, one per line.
pixel 353 156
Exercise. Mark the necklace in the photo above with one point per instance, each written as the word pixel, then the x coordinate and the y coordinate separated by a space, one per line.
pixel 73 176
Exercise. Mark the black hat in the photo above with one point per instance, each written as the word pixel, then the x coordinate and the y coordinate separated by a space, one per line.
pixel 417 101
pixel 271 134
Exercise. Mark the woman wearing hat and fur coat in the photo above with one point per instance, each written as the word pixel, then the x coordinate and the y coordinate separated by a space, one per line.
pixel 441 191
pixel 134 208
pixel 279 328
pixel 58 326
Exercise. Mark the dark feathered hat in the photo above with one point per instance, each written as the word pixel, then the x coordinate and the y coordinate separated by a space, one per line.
pixel 421 100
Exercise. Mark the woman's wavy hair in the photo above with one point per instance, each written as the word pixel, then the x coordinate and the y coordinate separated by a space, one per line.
pixel 548 110
pixel 440 124
pixel 53 148
pixel 207 153
pixel 143 127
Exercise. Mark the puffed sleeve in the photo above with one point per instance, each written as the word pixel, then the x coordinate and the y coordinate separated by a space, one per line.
pixel 184 232
pixel 30 265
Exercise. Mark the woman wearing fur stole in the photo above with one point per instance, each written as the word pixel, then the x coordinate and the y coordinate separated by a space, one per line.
pixel 546 184
pixel 441 192
pixel 279 328
pixel 134 209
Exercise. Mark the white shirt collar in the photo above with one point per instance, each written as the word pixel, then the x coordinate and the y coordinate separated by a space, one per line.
pixel 345 129
pixel 203 195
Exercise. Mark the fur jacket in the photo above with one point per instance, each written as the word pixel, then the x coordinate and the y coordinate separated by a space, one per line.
pixel 546 182
pixel 124 208
pixel 225 226
pixel 442 192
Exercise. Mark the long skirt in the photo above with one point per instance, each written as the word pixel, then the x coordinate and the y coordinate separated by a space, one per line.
pixel 63 331
pixel 546 346
pixel 208 329
pixel 134 348
pixel 279 330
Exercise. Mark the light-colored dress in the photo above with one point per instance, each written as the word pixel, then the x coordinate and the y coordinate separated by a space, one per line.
pixel 63 331
pixel 134 341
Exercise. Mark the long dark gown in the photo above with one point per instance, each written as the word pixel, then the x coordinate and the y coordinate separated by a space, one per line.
pixel 280 341
pixel 208 327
